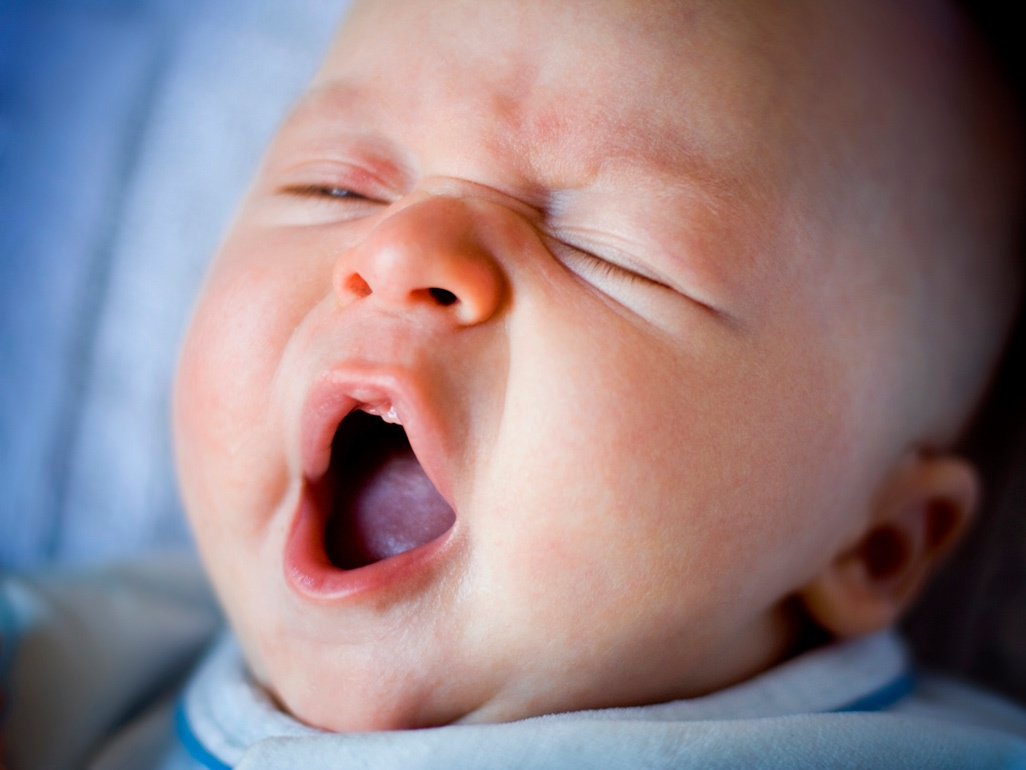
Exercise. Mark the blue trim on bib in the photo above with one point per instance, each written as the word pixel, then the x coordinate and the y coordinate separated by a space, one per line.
pixel 192 744
pixel 883 698
pixel 878 700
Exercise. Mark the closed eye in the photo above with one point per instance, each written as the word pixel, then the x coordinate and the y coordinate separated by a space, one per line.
pixel 614 270
pixel 591 265
pixel 324 203
pixel 327 192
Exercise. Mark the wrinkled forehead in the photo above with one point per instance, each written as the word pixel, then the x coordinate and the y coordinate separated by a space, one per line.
pixel 745 96
pixel 693 86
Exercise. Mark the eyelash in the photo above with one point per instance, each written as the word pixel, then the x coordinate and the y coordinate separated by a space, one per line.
pixel 326 192
pixel 614 270
pixel 607 268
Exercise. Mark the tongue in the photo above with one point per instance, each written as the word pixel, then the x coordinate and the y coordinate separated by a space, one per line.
pixel 388 506
pixel 399 508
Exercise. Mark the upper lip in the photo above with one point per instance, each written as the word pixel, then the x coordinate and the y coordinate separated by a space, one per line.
pixel 343 389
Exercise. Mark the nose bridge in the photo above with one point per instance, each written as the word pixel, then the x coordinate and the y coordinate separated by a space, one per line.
pixel 425 254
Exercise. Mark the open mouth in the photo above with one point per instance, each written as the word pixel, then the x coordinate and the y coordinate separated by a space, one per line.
pixel 376 498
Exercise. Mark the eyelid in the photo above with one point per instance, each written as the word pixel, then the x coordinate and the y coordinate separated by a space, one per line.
pixel 325 178
pixel 634 286
pixel 620 267
pixel 331 192
pixel 616 270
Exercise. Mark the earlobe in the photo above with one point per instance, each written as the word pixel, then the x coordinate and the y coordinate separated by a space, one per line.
pixel 920 514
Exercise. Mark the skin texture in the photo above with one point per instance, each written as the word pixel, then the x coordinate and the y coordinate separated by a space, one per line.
pixel 685 377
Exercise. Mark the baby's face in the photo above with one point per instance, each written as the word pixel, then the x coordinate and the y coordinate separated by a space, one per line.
pixel 584 253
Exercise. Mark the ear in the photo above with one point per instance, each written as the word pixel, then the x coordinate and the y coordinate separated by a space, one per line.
pixel 921 513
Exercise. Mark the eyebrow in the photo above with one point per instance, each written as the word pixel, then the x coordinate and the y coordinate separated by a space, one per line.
pixel 331 91
pixel 358 112
pixel 333 100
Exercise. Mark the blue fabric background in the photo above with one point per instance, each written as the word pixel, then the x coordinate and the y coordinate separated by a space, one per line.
pixel 128 131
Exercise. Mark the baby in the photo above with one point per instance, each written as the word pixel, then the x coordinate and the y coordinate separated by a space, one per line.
pixel 600 354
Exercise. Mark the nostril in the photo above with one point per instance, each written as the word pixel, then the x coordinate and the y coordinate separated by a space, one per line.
pixel 357 286
pixel 443 297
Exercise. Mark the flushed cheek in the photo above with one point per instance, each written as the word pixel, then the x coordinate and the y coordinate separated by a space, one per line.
pixel 227 439
pixel 650 466
pixel 598 436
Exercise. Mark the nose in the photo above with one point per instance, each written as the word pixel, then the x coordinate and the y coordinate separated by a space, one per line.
pixel 427 255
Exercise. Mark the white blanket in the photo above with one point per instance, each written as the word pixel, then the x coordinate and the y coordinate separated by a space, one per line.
pixel 96 663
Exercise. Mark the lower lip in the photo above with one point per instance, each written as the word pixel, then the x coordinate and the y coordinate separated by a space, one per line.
pixel 313 577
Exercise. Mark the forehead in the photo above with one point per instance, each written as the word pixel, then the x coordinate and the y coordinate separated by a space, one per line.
pixel 564 88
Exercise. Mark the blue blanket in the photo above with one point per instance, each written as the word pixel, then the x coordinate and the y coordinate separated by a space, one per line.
pixel 128 131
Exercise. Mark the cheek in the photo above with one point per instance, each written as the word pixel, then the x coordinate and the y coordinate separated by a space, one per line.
pixel 224 426
pixel 670 468
pixel 593 471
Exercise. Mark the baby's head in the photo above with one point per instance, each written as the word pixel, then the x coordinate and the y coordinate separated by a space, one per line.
pixel 681 307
